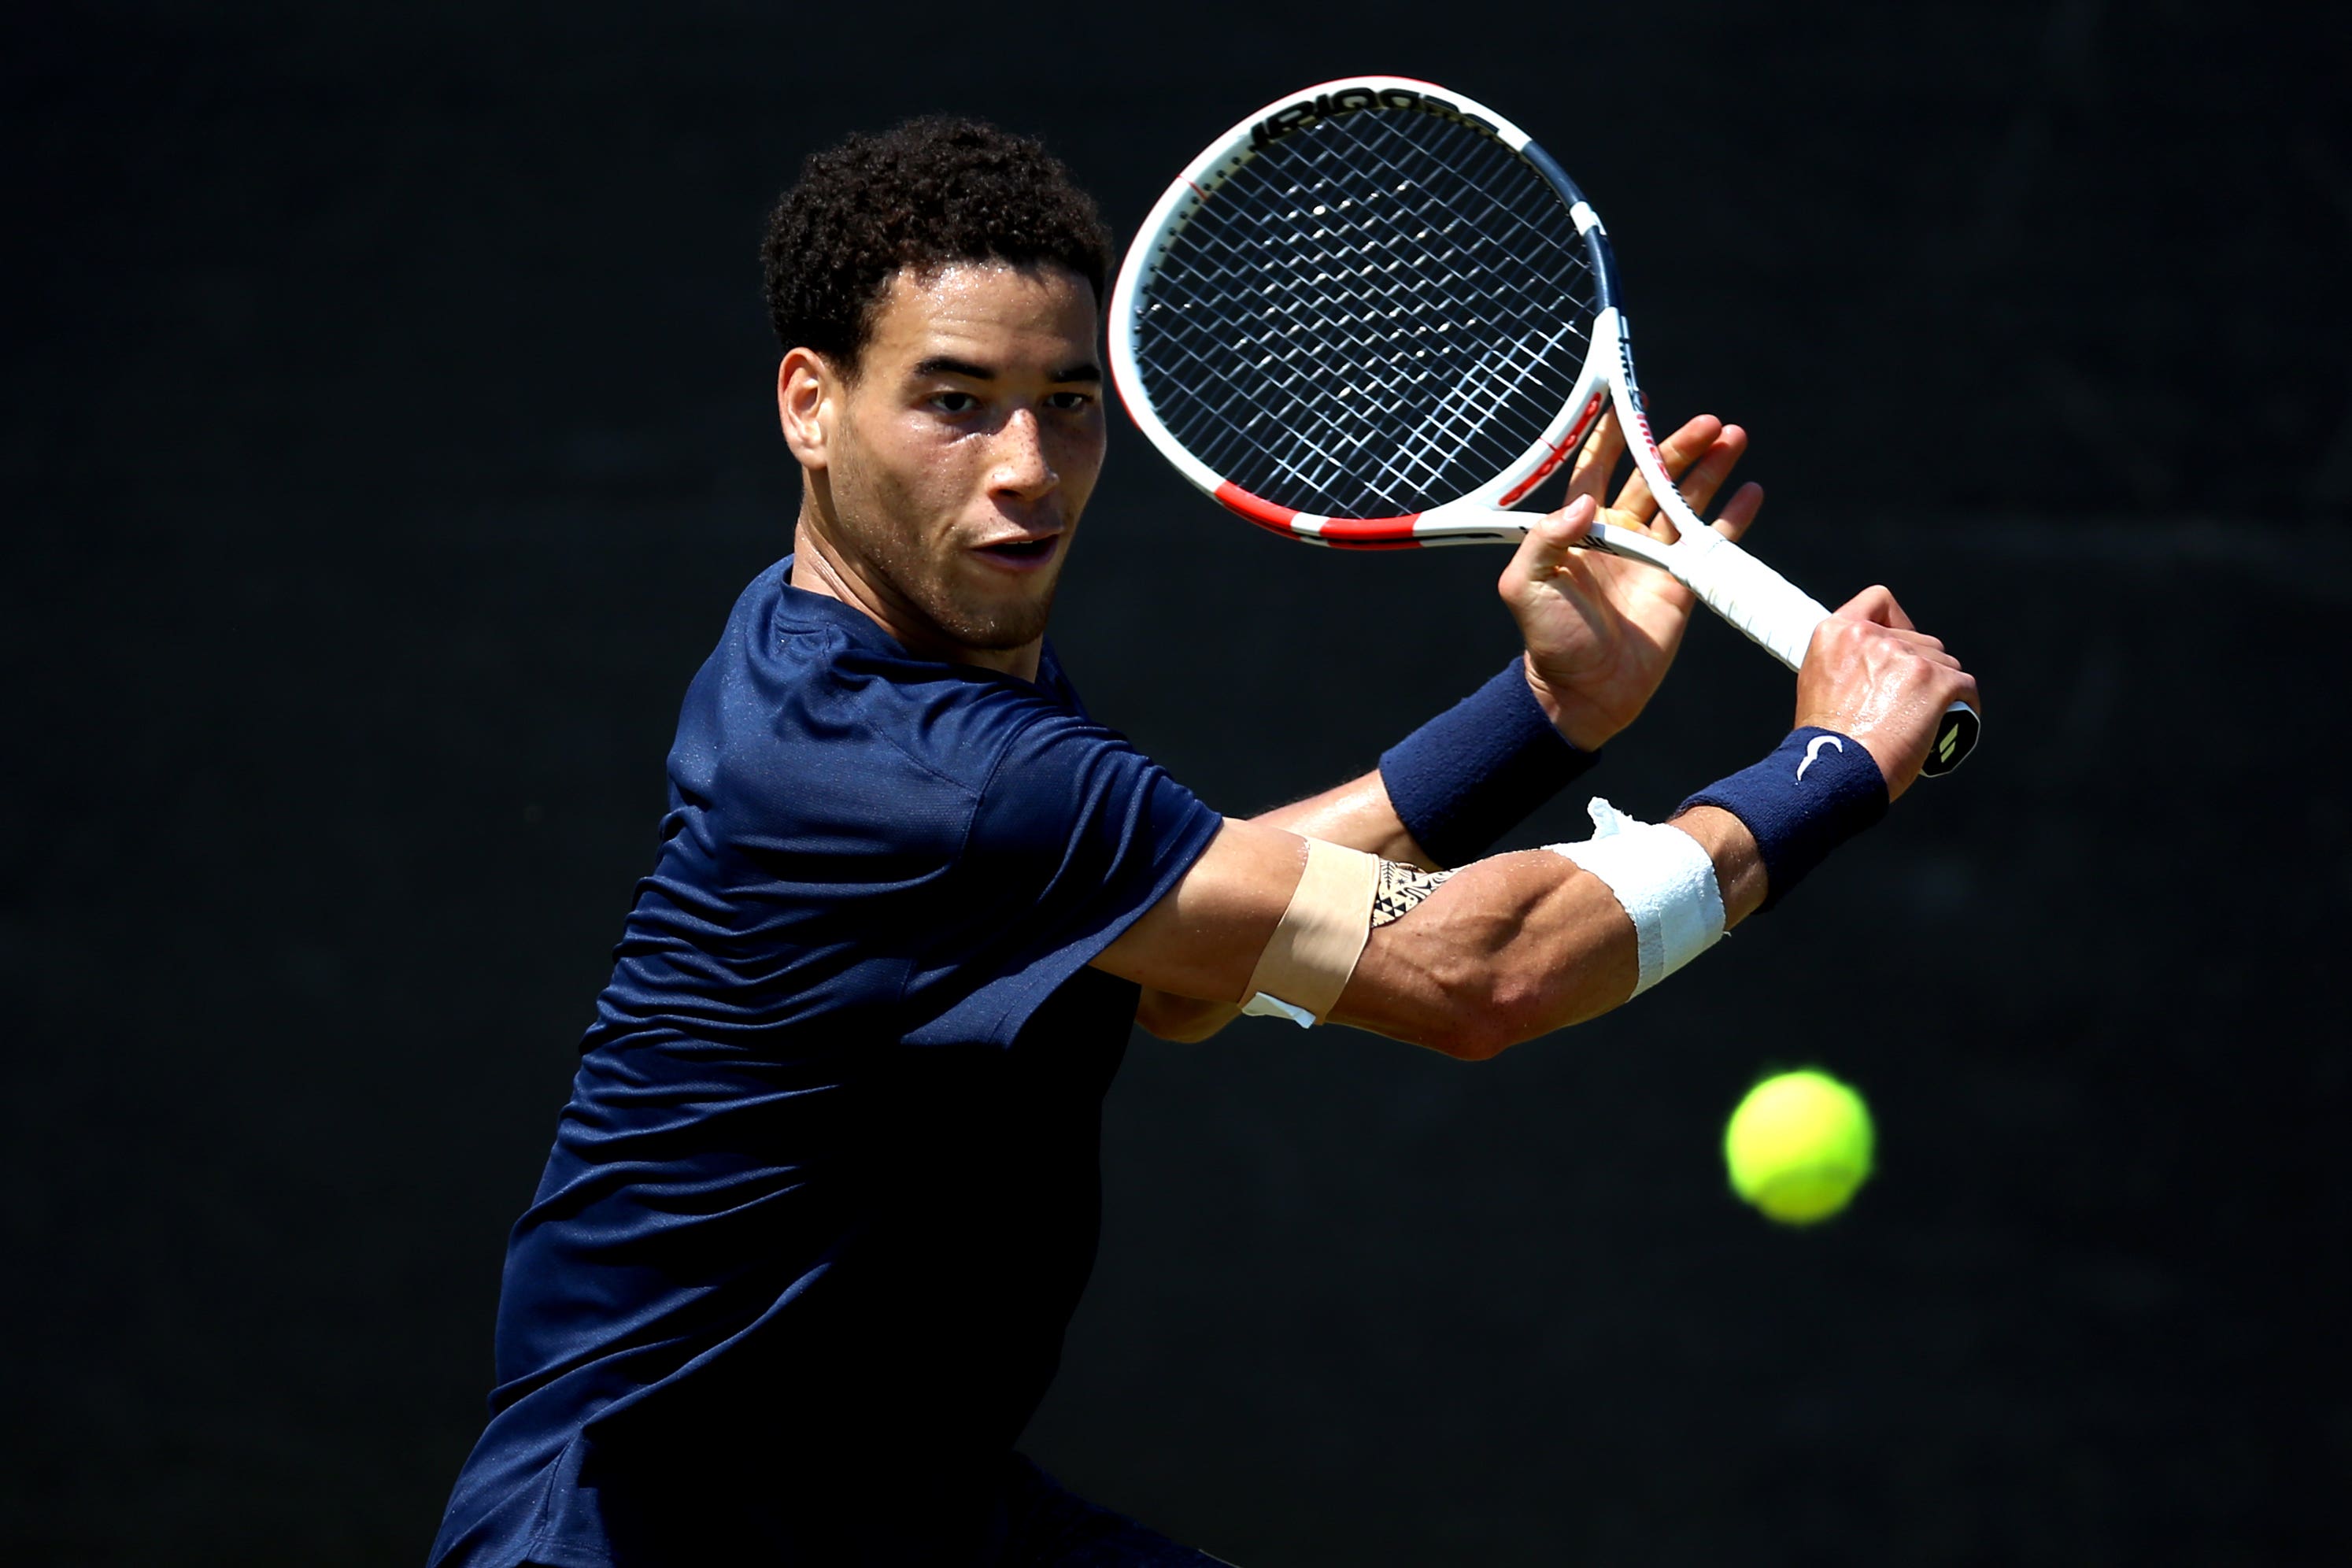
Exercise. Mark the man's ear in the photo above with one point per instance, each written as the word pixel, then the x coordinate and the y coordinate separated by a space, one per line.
pixel 808 404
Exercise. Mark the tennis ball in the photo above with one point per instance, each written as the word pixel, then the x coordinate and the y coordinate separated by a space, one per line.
pixel 1798 1146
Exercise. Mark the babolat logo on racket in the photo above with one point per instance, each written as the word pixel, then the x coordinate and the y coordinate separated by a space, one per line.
pixel 1342 100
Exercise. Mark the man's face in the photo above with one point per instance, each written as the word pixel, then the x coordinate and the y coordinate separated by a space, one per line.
pixel 959 457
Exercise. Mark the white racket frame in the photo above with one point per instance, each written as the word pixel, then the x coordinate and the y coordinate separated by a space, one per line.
pixel 1735 584
pixel 1774 613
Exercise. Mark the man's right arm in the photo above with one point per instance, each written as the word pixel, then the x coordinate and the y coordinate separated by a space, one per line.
pixel 1238 868
pixel 1515 946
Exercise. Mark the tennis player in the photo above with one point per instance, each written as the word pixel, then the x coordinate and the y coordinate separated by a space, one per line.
pixel 826 1190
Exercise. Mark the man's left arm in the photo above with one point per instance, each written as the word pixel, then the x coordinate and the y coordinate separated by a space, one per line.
pixel 1599 633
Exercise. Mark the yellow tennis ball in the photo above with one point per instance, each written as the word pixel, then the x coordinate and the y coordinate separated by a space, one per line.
pixel 1798 1146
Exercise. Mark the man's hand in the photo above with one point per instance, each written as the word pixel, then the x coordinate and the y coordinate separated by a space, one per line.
pixel 1872 675
pixel 1601 631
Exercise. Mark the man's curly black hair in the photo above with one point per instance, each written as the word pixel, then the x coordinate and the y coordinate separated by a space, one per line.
pixel 922 195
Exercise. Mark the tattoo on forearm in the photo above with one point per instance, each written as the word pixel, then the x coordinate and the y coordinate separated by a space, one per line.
pixel 1402 890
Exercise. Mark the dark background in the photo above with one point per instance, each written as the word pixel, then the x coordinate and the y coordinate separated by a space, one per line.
pixel 388 429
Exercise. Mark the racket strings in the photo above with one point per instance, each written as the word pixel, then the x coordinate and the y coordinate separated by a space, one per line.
pixel 1369 317
pixel 1440 281
pixel 1460 416
pixel 1375 296
pixel 1458 419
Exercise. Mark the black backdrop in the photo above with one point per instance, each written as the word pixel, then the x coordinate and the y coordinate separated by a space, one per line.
pixel 387 432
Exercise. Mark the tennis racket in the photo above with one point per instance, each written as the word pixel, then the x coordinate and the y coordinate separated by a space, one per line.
pixel 1375 315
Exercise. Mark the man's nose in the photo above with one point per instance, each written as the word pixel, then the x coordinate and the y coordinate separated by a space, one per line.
pixel 1021 467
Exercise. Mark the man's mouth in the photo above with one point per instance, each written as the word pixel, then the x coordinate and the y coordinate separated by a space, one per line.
pixel 1019 553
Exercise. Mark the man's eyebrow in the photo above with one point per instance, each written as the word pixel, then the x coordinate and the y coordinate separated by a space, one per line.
pixel 947 365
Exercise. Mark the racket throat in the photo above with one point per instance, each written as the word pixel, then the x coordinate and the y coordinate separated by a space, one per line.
pixel 1613 344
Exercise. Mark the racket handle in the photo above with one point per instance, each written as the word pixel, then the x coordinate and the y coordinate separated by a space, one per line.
pixel 1771 611
pixel 1956 737
pixel 1774 613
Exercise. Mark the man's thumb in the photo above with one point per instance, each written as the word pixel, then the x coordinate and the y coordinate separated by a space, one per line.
pixel 1558 534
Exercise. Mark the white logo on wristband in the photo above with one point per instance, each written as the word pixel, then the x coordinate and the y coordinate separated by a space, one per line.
pixel 1813 749
pixel 1663 880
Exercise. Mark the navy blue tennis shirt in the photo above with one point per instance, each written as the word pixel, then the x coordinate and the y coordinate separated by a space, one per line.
pixel 827 1188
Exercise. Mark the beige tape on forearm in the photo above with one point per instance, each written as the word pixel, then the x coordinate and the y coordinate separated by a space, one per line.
pixel 1322 932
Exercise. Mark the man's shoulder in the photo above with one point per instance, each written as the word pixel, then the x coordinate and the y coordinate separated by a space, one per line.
pixel 806 694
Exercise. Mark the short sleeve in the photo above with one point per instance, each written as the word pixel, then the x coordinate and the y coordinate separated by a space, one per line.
pixel 1075 835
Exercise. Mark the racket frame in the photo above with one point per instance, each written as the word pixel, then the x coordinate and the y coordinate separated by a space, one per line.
pixel 1771 611
pixel 1483 516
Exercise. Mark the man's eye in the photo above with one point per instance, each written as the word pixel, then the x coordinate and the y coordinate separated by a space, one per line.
pixel 954 401
pixel 1071 402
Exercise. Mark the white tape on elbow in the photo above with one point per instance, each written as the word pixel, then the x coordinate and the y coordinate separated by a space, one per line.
pixel 1664 879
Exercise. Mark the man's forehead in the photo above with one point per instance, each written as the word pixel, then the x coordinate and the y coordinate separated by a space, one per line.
pixel 1043 309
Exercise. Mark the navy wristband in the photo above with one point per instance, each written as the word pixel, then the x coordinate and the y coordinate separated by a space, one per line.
pixel 1475 770
pixel 1817 789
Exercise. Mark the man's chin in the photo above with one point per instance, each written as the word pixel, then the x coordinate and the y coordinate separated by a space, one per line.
pixel 1005 635
pixel 1000 627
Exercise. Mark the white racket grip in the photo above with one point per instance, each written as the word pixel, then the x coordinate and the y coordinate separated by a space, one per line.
pixel 1775 614
pixel 1779 616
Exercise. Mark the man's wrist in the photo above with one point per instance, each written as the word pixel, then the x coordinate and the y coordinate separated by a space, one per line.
pixel 1475 770
pixel 1576 721
pixel 1816 790
pixel 1739 864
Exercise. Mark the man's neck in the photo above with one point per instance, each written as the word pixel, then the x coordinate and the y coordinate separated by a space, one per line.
pixel 820 567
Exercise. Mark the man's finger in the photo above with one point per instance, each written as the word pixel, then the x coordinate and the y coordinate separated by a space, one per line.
pixel 1596 464
pixel 1740 510
pixel 1918 638
pixel 1713 464
pixel 1928 649
pixel 1554 535
pixel 1680 450
pixel 1876 604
